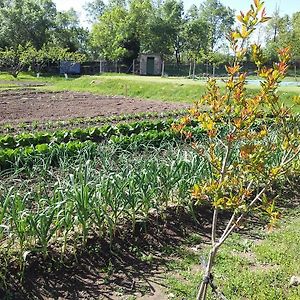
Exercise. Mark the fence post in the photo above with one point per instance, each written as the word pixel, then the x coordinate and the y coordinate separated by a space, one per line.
pixel 207 75
pixel 194 69
pixel 163 69
pixel 190 70
pixel 133 67
pixel 100 66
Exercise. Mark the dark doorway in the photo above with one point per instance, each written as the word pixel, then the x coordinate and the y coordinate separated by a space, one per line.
pixel 150 65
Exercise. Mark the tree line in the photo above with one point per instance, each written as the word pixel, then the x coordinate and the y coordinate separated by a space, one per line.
pixel 121 29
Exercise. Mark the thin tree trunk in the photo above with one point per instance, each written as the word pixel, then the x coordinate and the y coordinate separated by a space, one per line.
pixel 202 294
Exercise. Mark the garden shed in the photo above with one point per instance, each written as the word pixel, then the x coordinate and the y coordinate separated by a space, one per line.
pixel 150 64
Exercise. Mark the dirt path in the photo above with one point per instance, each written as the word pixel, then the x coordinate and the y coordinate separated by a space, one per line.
pixel 29 105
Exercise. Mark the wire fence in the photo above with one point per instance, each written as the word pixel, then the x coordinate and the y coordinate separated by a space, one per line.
pixel 167 69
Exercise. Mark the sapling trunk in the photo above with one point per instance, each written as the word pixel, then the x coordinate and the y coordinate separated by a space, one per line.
pixel 250 166
pixel 202 293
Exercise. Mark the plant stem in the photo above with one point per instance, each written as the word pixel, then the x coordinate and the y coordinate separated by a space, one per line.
pixel 203 288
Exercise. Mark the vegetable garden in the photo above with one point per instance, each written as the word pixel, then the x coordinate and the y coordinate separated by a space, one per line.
pixel 76 181
pixel 77 187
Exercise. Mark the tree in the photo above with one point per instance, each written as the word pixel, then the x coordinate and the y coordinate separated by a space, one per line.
pixel 68 33
pixel 52 54
pixel 282 32
pixel 109 34
pixel 239 145
pixel 25 21
pixel 219 20
pixel 164 29
pixel 117 3
pixel 13 60
pixel 195 38
pixel 94 9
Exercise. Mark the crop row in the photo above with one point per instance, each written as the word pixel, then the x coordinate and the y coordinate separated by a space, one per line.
pixel 95 134
pixel 85 122
pixel 98 197
pixel 93 202
pixel 17 157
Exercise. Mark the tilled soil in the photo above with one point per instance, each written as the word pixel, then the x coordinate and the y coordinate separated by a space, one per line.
pixel 116 271
pixel 31 105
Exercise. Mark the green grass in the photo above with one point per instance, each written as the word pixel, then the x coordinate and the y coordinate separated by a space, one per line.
pixel 144 87
pixel 156 88
pixel 30 77
pixel 245 268
pixel 167 89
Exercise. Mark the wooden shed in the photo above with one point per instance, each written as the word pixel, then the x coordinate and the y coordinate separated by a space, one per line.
pixel 150 64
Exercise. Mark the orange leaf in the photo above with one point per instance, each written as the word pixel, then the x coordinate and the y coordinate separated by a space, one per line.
pixel 256 3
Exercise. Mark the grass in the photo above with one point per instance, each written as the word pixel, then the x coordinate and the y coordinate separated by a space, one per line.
pixel 156 88
pixel 245 268
pixel 144 87
pixel 166 89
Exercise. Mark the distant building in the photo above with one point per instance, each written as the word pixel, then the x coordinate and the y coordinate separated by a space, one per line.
pixel 150 64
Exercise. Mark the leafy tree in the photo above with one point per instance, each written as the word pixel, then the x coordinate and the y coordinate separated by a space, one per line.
pixel 109 33
pixel 94 9
pixel 13 60
pixel 121 30
pixel 195 38
pixel 25 21
pixel 282 32
pixel 139 12
pixel 117 3
pixel 219 20
pixel 68 33
pixel 164 34
pixel 52 54
pixel 244 155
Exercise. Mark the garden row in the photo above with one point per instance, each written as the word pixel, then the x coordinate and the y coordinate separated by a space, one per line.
pixel 91 201
pixel 94 134
pixel 26 148
pixel 105 188
pixel 86 122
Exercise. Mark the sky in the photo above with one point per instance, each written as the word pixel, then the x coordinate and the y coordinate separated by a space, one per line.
pixel 285 6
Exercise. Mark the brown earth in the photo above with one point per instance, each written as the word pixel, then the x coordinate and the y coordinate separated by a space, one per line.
pixel 31 105
pixel 134 266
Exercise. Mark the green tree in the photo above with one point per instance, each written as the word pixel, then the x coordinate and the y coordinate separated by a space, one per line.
pixel 164 34
pixel 68 33
pixel 195 37
pixel 219 20
pixel 109 33
pixel 94 9
pixel 282 32
pixel 121 31
pixel 13 60
pixel 25 21
pixel 139 12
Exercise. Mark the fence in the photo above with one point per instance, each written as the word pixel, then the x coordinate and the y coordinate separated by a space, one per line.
pixel 168 69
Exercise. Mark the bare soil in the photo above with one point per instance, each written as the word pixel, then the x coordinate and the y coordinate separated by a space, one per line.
pixel 119 271
pixel 31 105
